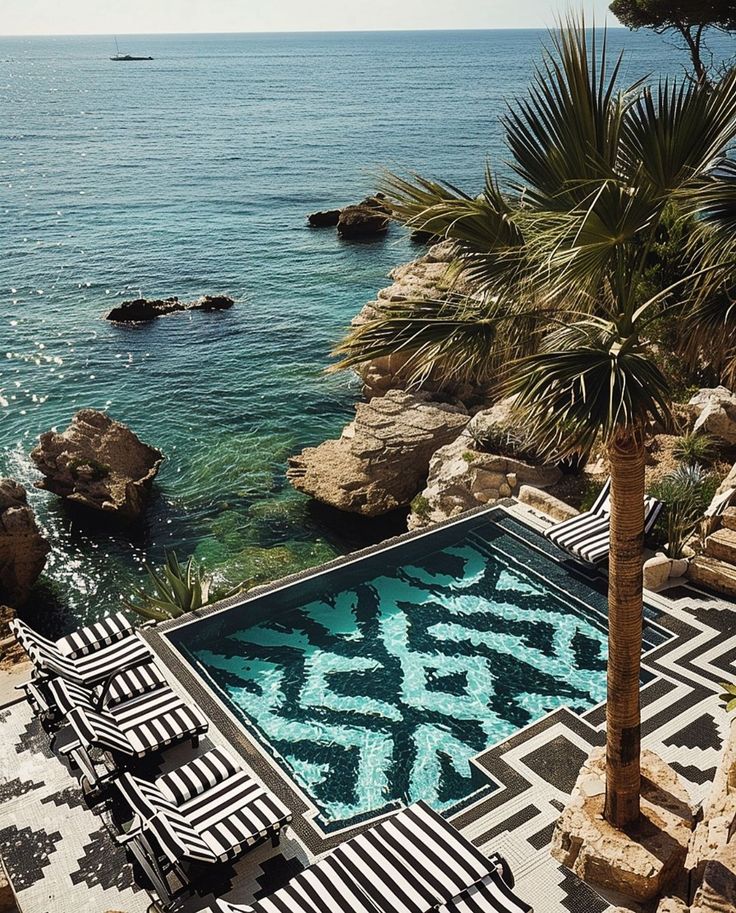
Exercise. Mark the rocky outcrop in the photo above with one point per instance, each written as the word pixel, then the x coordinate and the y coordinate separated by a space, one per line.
pixel 462 477
pixel 381 459
pixel 367 219
pixel 715 409
pixel 639 868
pixel 23 549
pixel 98 463
pixel 428 277
pixel 327 218
pixel 144 309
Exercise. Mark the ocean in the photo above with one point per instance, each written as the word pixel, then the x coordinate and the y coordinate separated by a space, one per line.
pixel 194 174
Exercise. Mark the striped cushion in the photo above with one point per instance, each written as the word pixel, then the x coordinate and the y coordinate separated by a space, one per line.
pixel 68 695
pixel 144 798
pixel 235 814
pixel 412 861
pixel 177 839
pixel 28 638
pixel 197 776
pixel 156 719
pixel 98 666
pixel 95 729
pixel 94 636
pixel 135 681
pixel 490 895
pixel 322 888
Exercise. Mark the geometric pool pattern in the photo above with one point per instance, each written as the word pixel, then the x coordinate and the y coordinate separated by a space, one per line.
pixel 382 692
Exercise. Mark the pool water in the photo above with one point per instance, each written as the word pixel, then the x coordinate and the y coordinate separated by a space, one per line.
pixel 377 683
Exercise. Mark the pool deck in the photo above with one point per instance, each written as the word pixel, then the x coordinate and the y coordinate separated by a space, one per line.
pixel 61 855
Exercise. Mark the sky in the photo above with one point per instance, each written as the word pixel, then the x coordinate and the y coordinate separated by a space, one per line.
pixel 124 17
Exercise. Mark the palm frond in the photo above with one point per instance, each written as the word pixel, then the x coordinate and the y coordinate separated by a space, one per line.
pixel 585 384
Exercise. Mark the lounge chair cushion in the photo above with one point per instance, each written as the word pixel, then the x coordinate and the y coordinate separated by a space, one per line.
pixel 489 895
pixel 122 687
pixel 93 637
pixel 198 776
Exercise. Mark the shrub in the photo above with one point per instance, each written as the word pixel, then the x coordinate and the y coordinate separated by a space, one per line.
pixel 509 442
pixel 685 492
pixel 421 507
pixel 176 589
pixel 695 448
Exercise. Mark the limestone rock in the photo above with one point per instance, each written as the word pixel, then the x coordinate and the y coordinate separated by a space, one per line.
pixel 23 549
pixel 716 412
pixel 8 903
pixel 381 459
pixel 546 503
pixel 327 218
pixel 657 572
pixel 427 277
pixel 717 893
pixel 98 463
pixel 640 867
pixel 461 477
pixel 672 905
pixel 144 309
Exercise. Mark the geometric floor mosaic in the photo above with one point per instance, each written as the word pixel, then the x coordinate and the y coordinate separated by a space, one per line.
pixel 61 856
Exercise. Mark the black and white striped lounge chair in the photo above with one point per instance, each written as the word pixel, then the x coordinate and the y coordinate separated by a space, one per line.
pixel 129 730
pixel 413 862
pixel 86 657
pixel 208 811
pixel 588 535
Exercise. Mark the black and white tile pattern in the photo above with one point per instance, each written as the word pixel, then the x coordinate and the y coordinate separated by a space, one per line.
pixel 61 854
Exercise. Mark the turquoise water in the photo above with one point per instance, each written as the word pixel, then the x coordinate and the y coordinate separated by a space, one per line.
pixel 377 683
pixel 193 174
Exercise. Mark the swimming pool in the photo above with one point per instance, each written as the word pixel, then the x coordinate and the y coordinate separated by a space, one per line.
pixel 378 681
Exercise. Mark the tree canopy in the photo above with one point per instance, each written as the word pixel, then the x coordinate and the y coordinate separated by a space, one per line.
pixel 690 18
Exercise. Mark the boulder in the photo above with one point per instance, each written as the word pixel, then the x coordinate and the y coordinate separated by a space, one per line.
pixel 23 549
pixel 717 893
pixel 715 409
pixel 8 903
pixel 143 309
pixel 381 459
pixel 638 866
pixel 546 503
pixel 657 572
pixel 326 219
pixel 98 463
pixel 462 477
pixel 427 277
pixel 361 222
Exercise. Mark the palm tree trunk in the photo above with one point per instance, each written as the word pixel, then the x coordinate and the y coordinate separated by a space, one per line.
pixel 625 607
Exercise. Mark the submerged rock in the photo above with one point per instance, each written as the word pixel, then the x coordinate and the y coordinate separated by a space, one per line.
pixel 23 549
pixel 144 309
pixel 381 459
pixel 99 463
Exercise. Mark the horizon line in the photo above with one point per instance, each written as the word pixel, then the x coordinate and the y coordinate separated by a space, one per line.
pixel 367 31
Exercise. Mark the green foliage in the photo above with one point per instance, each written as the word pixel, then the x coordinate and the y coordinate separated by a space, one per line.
pixel 728 697
pixel 89 469
pixel 176 589
pixel 582 274
pixel 469 456
pixel 686 493
pixel 503 440
pixel 695 448
pixel 592 490
pixel 421 507
pixel 689 18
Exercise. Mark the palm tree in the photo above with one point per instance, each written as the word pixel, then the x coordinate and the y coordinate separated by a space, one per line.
pixel 557 255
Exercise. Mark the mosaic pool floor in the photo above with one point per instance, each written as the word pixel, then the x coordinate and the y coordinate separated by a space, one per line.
pixel 381 691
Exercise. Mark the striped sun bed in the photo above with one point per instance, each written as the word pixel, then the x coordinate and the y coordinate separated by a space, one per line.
pixel 209 810
pixel 587 536
pixel 133 729
pixel 413 862
pixel 86 657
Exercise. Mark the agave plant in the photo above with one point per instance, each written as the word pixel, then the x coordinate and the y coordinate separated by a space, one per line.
pixel 176 589
pixel 728 697
pixel 686 493
pixel 558 258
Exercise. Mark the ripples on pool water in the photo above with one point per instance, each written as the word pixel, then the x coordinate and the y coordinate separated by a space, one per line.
pixel 192 174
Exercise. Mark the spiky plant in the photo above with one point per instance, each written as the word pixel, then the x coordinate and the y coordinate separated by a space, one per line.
pixel 175 590
pixel 558 257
